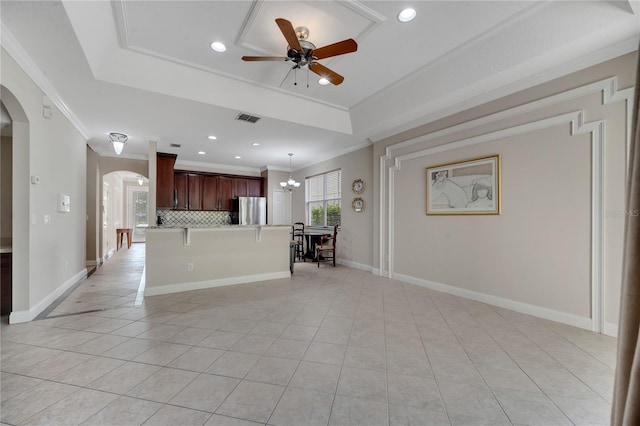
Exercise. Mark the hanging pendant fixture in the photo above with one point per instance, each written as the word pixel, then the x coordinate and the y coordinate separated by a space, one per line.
pixel 290 184
pixel 119 140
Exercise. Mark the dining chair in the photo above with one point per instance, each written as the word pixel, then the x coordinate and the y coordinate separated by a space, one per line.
pixel 298 238
pixel 326 250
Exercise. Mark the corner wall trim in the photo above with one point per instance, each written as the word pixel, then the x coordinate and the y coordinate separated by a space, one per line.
pixel 26 316
pixel 23 59
pixel 391 160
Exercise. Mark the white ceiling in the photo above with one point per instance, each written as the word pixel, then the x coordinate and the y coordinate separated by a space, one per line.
pixel 144 68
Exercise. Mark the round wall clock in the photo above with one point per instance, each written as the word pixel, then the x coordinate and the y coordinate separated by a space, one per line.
pixel 358 186
pixel 358 204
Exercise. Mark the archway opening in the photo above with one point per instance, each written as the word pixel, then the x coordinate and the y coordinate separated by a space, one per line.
pixel 14 204
pixel 125 196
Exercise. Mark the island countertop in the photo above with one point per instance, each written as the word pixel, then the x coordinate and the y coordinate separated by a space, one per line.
pixel 213 227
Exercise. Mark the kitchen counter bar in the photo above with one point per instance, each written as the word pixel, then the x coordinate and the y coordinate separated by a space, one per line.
pixel 183 258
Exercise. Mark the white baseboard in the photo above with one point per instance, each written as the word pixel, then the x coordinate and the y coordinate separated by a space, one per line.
pixel 525 308
pixel 611 329
pixel 199 285
pixel 107 256
pixel 355 265
pixel 96 262
pixel 26 316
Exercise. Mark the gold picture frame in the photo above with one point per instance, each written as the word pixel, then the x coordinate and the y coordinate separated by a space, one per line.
pixel 465 187
pixel 357 204
pixel 358 186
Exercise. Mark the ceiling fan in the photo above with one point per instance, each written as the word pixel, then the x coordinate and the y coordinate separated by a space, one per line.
pixel 302 52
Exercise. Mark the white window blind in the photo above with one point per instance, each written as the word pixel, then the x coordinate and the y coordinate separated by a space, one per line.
pixel 323 198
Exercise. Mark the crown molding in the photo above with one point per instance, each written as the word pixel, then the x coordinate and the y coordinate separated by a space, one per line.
pixel 22 58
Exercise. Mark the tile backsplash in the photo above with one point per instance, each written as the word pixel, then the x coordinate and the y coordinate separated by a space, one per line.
pixel 182 217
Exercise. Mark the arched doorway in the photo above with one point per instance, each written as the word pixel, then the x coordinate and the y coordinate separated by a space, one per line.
pixel 124 205
pixel 15 227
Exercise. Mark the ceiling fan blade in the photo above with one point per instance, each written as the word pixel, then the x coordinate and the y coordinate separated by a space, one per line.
pixel 322 71
pixel 335 49
pixel 289 33
pixel 264 58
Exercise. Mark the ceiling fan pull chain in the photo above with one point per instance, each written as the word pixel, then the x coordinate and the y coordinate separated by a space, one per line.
pixel 307 77
pixel 295 77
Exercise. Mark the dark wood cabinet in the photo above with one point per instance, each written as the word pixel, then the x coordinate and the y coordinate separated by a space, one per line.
pixel 188 191
pixel 217 193
pixel 195 192
pixel 247 187
pixel 5 284
pixel 254 188
pixel 181 182
pixel 211 192
pixel 225 193
pixel 165 180
pixel 239 187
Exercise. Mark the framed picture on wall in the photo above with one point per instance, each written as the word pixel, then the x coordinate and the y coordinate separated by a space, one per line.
pixel 466 187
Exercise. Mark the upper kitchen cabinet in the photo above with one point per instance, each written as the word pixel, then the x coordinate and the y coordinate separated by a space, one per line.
pixel 217 193
pixel 247 187
pixel 164 180
pixel 188 191
pixel 181 191
pixel 225 193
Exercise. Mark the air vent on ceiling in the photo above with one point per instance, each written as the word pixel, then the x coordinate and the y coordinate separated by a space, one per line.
pixel 248 118
pixel 175 145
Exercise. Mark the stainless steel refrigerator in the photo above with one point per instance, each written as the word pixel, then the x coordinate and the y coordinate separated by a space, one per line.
pixel 249 211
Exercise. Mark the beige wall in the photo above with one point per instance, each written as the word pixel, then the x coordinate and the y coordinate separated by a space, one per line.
pixel 355 246
pixel 115 164
pixel 48 257
pixel 536 256
pixel 6 182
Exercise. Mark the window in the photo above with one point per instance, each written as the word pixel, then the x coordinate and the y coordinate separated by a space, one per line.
pixel 323 198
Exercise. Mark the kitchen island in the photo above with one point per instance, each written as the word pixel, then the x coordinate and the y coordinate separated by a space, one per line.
pixel 191 258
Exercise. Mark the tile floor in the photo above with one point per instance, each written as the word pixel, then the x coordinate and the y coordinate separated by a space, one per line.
pixel 326 347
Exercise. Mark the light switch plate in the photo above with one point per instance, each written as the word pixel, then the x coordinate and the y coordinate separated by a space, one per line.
pixel 46 219
pixel 64 203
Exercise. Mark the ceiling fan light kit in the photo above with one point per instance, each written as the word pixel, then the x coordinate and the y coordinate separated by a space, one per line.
pixel 302 52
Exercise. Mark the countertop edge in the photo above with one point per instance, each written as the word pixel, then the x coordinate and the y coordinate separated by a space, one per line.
pixel 217 228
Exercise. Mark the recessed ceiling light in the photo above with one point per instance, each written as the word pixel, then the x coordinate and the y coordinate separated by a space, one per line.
pixel 218 46
pixel 407 15
pixel 255 144
pixel 201 152
pixel 212 137
pixel 323 81
pixel 237 157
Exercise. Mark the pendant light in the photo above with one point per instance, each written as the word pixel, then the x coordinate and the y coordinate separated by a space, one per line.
pixel 290 184
pixel 119 140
